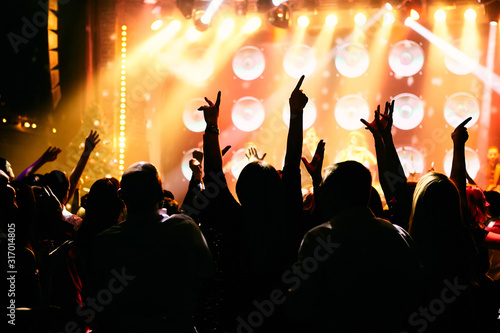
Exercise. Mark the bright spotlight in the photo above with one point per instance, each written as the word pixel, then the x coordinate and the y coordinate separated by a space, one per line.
pixel 388 6
pixel 278 2
pixel 360 19
pixel 252 25
pixel 389 18
pixel 440 15
pixel 156 25
pixel 303 21
pixel 331 20
pixel 209 13
pixel 225 29
pixel 470 14
pixel 414 15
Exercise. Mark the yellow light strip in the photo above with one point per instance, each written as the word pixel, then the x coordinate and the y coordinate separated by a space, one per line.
pixel 123 98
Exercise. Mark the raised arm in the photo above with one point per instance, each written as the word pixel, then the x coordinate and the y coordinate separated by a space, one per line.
pixel 297 101
pixel 458 167
pixel 211 144
pixel 90 142
pixel 48 156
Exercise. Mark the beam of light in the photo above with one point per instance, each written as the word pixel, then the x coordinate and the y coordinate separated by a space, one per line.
pixel 303 21
pixel 470 15
pixel 331 20
pixel 225 29
pixel 389 18
pixel 485 116
pixel 483 73
pixel 251 25
pixel 360 19
pixel 209 13
pixel 159 40
pixel 414 15
pixel 156 25
pixel 388 6
pixel 440 15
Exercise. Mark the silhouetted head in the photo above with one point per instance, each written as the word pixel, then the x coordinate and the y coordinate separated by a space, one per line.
pixel 58 183
pixel 141 188
pixel 477 204
pixel 346 184
pixel 259 185
pixel 493 199
pixel 103 198
pixel 436 206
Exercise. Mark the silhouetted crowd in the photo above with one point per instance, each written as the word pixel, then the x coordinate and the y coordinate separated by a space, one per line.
pixel 129 258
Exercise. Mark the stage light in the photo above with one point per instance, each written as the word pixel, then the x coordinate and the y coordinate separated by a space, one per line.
pixel 440 15
pixel 280 16
pixel 156 25
pixel 388 6
pixel 309 114
pixel 225 29
pixel 26 124
pixel 252 25
pixel 494 23
pixel 470 15
pixel 472 163
pixel 54 130
pixel 192 34
pixel 331 20
pixel 278 2
pixel 4 120
pixel 360 19
pixel 192 118
pixel 198 23
pixel 412 160
pixel 211 9
pixel 249 63
pixel 303 21
pixel 389 18
pixel 414 15
pixel 349 110
pixel 299 60
pixel 248 114
pixel 352 59
pixel 33 125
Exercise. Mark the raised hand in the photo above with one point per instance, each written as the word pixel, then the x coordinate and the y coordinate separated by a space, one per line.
pixel 385 121
pixel 91 141
pixel 253 155
pixel 315 166
pixel 298 99
pixel 50 154
pixel 374 126
pixel 211 111
pixel 196 168
pixel 460 134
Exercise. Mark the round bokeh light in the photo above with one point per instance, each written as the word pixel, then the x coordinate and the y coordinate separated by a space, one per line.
pixel 406 58
pixel 299 60
pixel 248 114
pixel 408 111
pixel 411 159
pixel 459 107
pixel 249 63
pixel 193 119
pixel 352 60
pixel 349 110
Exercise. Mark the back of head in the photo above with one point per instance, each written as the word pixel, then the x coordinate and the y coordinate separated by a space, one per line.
pixel 141 188
pixel 259 186
pixel 58 183
pixel 346 184
pixel 493 199
pixel 477 204
pixel 103 198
